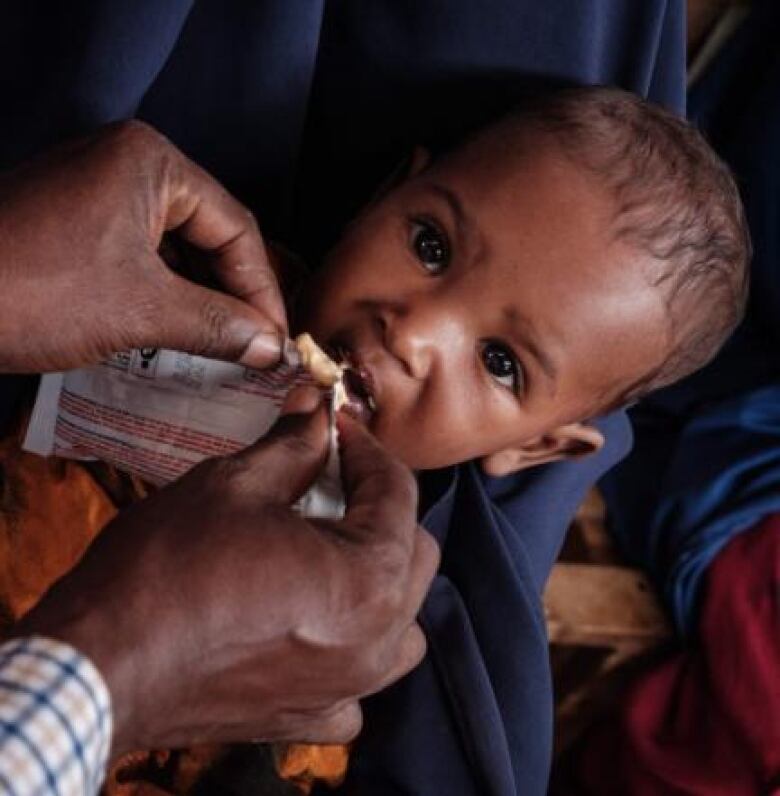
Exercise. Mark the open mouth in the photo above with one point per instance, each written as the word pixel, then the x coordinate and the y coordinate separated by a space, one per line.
pixel 357 386
pixel 361 401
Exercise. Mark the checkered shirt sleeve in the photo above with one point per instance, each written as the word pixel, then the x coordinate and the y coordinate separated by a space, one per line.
pixel 55 720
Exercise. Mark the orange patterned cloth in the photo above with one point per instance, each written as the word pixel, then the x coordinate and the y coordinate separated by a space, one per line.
pixel 50 511
pixel 306 764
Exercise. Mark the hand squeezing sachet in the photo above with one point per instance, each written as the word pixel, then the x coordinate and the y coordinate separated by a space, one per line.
pixel 155 413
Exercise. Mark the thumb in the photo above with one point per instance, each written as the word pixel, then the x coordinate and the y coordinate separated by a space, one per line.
pixel 203 321
pixel 283 465
pixel 380 491
pixel 337 726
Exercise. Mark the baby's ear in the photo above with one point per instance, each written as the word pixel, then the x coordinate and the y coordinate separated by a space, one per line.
pixel 409 166
pixel 571 441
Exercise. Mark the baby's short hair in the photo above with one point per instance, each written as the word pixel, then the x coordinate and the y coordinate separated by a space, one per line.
pixel 676 201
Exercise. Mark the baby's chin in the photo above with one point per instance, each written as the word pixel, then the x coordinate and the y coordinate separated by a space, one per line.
pixel 411 448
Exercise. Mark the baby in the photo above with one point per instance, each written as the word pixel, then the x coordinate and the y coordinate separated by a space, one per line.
pixel 570 258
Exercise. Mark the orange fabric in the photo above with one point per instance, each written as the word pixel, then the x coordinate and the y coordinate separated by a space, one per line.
pixel 305 764
pixel 50 511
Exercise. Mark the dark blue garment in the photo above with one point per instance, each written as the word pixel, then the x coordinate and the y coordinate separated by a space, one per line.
pixel 706 464
pixel 476 716
pixel 300 106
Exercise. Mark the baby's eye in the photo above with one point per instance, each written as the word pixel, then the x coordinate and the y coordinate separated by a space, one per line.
pixel 430 245
pixel 501 363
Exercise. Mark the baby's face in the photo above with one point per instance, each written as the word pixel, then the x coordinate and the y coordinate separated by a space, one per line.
pixel 486 306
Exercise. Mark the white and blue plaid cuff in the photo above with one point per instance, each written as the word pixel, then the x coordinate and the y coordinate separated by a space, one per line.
pixel 55 720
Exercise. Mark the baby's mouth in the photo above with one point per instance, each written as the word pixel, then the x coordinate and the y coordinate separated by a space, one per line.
pixel 358 385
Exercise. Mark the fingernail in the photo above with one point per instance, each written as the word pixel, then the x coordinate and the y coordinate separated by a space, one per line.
pixel 264 349
pixel 302 400
pixel 290 353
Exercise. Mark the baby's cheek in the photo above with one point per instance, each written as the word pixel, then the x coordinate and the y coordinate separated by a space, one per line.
pixel 400 435
pixel 420 444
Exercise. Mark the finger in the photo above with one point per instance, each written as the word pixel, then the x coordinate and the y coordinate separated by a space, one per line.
pixel 285 463
pixel 422 570
pixel 209 323
pixel 380 492
pixel 207 216
pixel 335 727
pixel 301 400
pixel 408 653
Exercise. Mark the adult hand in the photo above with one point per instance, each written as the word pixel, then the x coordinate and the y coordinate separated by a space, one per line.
pixel 80 274
pixel 216 613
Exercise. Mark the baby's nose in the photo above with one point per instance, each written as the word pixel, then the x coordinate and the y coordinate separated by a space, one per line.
pixel 424 335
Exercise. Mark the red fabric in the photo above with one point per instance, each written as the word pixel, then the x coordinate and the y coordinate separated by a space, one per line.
pixel 706 721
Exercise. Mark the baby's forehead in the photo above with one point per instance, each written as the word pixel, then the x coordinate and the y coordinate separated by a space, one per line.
pixel 537 198
pixel 510 143
pixel 533 165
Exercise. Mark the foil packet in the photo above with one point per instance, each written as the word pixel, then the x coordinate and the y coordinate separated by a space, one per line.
pixel 155 413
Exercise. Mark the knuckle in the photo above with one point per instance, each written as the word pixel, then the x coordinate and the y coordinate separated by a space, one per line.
pixel 418 646
pixel 341 726
pixel 142 309
pixel 298 447
pixel 224 472
pixel 381 604
pixel 135 128
pixel 214 321
pixel 132 133
pixel 251 221
pixel 265 280
pixel 402 484
pixel 351 722
pixel 391 606
pixel 366 673
pixel 392 556
pixel 137 148
pixel 384 594
pixel 422 650
pixel 430 552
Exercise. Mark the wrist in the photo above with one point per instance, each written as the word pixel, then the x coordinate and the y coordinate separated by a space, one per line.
pixel 101 647
pixel 69 720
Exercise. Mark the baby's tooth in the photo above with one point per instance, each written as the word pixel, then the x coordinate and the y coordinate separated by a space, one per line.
pixel 371 403
pixel 340 398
